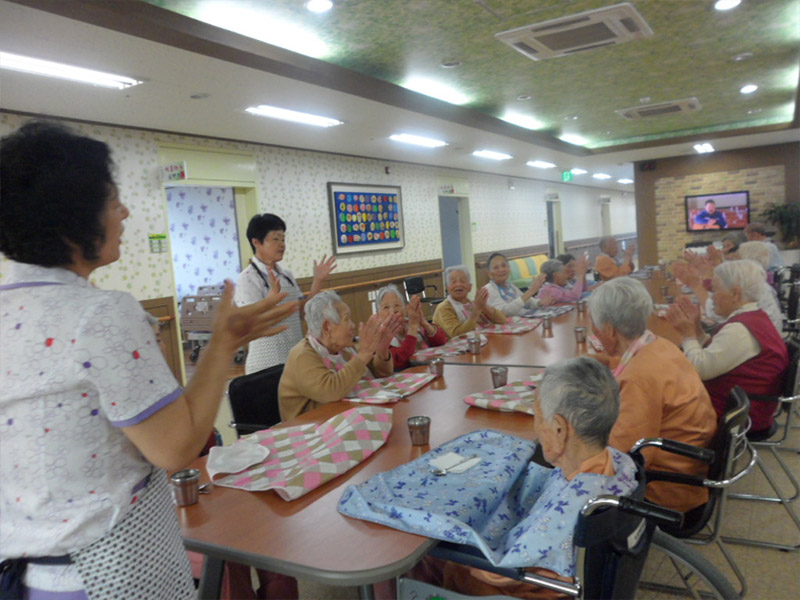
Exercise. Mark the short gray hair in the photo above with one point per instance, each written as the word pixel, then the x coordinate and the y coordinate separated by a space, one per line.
pixel 322 307
pixel 551 267
pixel 756 251
pixel 737 237
pixel 585 393
pixel 388 289
pixel 450 270
pixel 605 240
pixel 624 303
pixel 758 228
pixel 747 275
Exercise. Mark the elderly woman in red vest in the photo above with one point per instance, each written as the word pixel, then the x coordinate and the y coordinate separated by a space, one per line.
pixel 745 350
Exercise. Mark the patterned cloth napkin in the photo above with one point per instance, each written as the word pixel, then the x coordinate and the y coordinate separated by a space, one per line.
pixel 457 345
pixel 549 311
pixel 512 325
pixel 390 389
pixel 303 457
pixel 516 396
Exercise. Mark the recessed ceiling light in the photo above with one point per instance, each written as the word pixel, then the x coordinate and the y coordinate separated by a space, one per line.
pixel 417 140
pixel 577 171
pixel 754 111
pixel 540 164
pixel 625 180
pixel 435 89
pixel 645 99
pixel 319 6
pixel 726 4
pixel 525 121
pixel 571 118
pixel 451 64
pixel 523 97
pixel 200 96
pixel 703 148
pixel 601 176
pixel 749 88
pixel 742 56
pixel 492 154
pixel 294 116
pixel 35 66
pixel 572 138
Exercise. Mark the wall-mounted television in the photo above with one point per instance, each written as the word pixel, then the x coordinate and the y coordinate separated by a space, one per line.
pixel 728 210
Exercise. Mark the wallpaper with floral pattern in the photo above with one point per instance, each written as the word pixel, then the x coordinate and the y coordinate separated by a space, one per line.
pixel 293 184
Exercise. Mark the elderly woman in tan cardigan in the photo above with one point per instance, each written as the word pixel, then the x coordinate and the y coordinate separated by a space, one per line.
pixel 457 315
pixel 324 366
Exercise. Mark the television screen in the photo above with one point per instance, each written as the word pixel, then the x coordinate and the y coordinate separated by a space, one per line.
pixel 730 210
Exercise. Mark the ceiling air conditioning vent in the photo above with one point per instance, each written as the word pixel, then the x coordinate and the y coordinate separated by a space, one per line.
pixel 662 108
pixel 576 33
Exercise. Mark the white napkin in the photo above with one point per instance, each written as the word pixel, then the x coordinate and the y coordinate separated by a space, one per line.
pixel 236 457
pixel 449 460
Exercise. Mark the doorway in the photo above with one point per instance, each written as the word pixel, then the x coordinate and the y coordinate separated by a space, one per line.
pixel 449 223
pixel 555 231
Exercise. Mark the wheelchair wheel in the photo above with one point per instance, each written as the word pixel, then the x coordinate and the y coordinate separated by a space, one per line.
pixel 675 569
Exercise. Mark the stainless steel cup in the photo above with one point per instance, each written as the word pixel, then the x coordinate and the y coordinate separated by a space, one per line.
pixel 664 290
pixel 581 306
pixel 499 376
pixel 419 428
pixel 669 299
pixel 547 323
pixel 185 486
pixel 436 367
pixel 474 345
pixel 580 335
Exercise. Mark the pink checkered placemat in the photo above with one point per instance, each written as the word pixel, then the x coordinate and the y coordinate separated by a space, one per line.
pixel 303 457
pixel 512 325
pixel 388 389
pixel 457 345
pixel 516 396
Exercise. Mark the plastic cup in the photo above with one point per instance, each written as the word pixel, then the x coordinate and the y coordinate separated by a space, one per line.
pixel 436 367
pixel 580 335
pixel 185 486
pixel 499 376
pixel 419 428
pixel 474 345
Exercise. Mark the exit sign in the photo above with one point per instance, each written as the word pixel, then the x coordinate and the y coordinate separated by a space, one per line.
pixel 566 175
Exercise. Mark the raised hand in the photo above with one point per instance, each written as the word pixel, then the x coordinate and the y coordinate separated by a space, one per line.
pixel 236 326
pixel 714 255
pixel 681 321
pixel 537 283
pixel 582 264
pixel 481 297
pixel 687 273
pixel 274 282
pixel 324 268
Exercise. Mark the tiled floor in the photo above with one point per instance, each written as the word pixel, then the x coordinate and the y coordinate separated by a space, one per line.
pixel 771 574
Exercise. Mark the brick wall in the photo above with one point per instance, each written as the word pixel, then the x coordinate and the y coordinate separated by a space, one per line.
pixel 765 184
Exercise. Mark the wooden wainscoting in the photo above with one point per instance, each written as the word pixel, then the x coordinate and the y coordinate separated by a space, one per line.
pixel 164 310
pixel 354 286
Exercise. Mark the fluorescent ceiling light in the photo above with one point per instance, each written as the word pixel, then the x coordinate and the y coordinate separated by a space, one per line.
pixel 726 4
pixel 540 164
pixel 625 180
pixel 491 154
pixel 319 6
pixel 703 148
pixel 25 64
pixel 749 88
pixel 577 171
pixel 601 176
pixel 525 121
pixel 435 89
pixel 572 138
pixel 292 115
pixel 417 140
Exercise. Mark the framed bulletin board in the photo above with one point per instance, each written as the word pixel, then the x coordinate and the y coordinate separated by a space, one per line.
pixel 365 218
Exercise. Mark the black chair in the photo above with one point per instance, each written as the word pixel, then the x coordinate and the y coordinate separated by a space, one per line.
pixel 790 325
pixel 417 285
pixel 702 525
pixel 612 537
pixel 254 400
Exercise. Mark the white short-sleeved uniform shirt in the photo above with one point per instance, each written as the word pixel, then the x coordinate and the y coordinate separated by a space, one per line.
pixel 77 364
pixel 252 287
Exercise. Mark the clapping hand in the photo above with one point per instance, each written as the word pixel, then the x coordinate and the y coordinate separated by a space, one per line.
pixel 687 273
pixel 582 263
pixel 274 283
pixel 537 283
pixel 415 316
pixel 684 316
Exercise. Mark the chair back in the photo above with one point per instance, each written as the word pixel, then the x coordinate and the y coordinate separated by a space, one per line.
pixel 794 300
pixel 414 285
pixel 254 400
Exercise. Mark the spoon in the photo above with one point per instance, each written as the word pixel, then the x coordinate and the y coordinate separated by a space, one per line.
pixel 441 472
pixel 204 489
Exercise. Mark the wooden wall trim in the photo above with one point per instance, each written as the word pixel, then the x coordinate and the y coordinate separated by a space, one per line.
pixel 164 310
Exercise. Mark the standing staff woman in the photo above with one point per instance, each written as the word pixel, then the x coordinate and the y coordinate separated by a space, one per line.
pixel 267 236
pixel 90 415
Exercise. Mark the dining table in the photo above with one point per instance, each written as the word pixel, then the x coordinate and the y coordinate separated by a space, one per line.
pixel 307 537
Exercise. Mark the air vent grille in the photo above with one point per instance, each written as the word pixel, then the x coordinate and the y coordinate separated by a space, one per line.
pixel 662 108
pixel 576 33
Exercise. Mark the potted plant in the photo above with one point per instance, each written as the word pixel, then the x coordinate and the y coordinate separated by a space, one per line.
pixel 787 217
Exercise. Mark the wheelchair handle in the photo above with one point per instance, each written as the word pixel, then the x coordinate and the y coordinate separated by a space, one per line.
pixel 702 454
pixel 651 512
